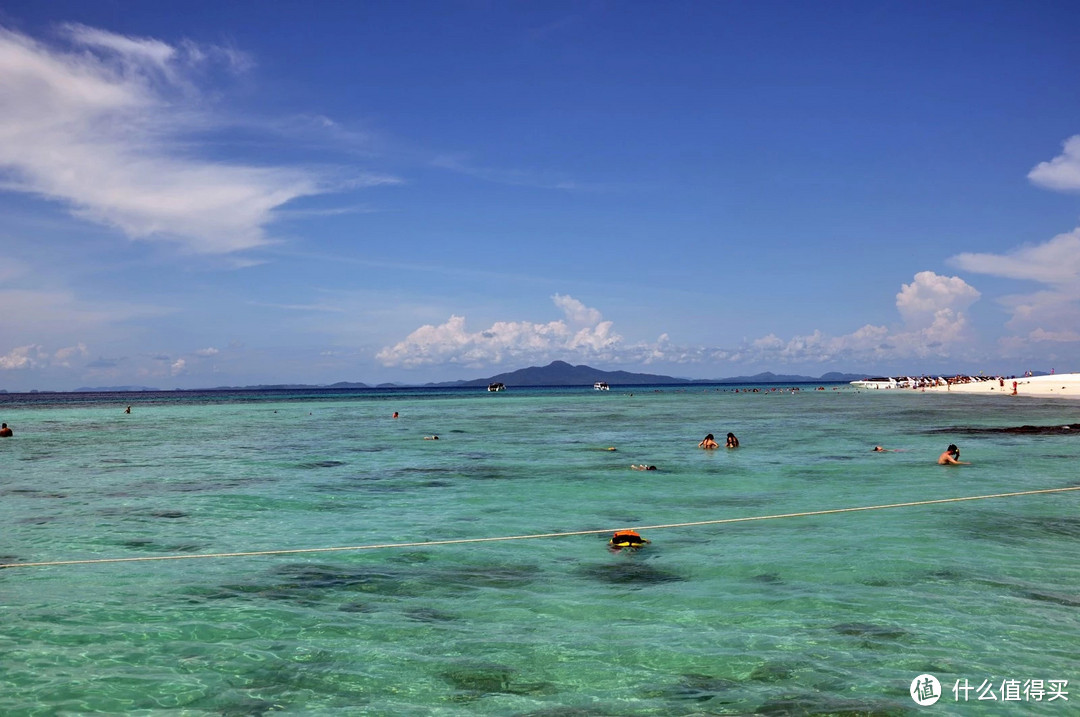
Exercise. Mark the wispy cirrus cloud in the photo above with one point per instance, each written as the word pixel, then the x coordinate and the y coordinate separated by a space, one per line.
pixel 1050 313
pixel 109 125
pixel 512 177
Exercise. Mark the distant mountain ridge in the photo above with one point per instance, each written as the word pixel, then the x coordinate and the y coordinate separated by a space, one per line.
pixel 556 373
pixel 560 373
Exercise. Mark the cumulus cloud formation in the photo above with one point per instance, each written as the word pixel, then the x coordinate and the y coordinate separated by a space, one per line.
pixel 582 334
pixel 104 124
pixel 932 308
pixel 35 356
pixel 930 297
pixel 1061 173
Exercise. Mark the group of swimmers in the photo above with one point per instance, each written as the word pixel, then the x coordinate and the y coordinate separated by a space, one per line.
pixel 709 442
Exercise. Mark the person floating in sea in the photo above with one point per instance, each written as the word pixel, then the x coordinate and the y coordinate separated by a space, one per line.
pixel 6 432
pixel 708 442
pixel 732 441
pixel 951 457
pixel 431 438
pixel 643 467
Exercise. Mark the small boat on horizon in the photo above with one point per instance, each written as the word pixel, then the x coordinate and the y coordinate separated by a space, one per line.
pixel 493 387
pixel 601 386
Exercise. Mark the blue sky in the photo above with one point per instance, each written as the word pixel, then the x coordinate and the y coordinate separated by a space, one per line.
pixel 226 193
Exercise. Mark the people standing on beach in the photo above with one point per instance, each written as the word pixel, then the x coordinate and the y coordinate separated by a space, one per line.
pixel 732 441
pixel 708 442
pixel 951 457
pixel 6 432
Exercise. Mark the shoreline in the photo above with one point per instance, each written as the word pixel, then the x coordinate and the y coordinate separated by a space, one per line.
pixel 1063 385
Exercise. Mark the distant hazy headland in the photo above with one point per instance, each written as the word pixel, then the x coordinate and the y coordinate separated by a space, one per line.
pixel 556 373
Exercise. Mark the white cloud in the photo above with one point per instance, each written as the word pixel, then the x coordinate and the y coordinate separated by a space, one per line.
pixel 1061 173
pixel 1056 261
pixel 178 367
pixel 24 357
pixel 451 342
pixel 105 128
pixel 210 351
pixel 930 296
pixel 64 356
pixel 36 356
pixel 1066 336
pixel 1052 310
pixel 933 309
pixel 576 311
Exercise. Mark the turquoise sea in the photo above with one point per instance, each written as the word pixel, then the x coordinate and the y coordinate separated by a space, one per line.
pixel 814 615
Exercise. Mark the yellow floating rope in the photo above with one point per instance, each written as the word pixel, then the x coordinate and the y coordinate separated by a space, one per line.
pixel 460 541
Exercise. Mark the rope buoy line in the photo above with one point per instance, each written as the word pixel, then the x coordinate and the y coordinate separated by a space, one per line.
pixel 460 541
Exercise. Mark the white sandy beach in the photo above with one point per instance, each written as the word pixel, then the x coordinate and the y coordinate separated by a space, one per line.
pixel 1065 385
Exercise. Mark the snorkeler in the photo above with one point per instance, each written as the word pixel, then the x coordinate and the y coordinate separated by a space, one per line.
pixel 951 457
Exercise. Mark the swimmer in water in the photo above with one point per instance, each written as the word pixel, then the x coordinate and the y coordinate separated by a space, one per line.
pixel 951 457
pixel 708 442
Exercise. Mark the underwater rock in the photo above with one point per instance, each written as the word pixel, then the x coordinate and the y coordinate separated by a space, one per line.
pixel 815 705
pixel 773 672
pixel 354 607
pixel 869 630
pixel 429 614
pixel 1052 597
pixel 482 679
pixel 321 464
pixel 630 572
pixel 700 688
pixel 1066 429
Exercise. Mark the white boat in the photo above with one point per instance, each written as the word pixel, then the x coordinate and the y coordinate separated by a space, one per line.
pixel 878 382
pixel 601 386
pixel 496 387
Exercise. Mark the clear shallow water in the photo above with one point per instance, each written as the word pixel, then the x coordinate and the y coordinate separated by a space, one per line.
pixel 828 614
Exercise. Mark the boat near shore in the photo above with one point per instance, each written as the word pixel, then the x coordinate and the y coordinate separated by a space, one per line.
pixel 1062 384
